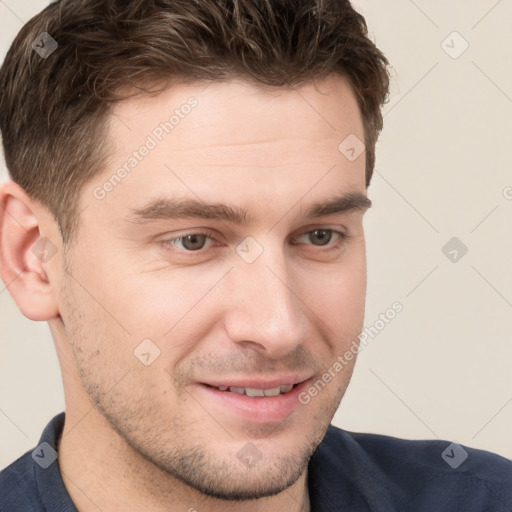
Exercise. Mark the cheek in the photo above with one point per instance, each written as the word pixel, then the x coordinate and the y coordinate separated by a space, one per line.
pixel 164 302
pixel 97 345
pixel 342 309
pixel 337 295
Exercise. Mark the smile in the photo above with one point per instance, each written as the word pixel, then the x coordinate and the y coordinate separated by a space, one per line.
pixel 254 401
pixel 253 392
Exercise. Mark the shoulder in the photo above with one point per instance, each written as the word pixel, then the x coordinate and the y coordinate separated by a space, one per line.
pixel 18 488
pixel 418 475
pixel 33 482
pixel 434 457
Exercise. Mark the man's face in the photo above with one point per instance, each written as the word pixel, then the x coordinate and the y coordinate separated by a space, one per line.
pixel 158 323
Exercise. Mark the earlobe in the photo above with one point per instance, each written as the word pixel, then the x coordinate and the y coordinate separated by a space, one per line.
pixel 26 254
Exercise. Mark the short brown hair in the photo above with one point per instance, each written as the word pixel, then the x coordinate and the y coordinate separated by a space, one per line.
pixel 54 111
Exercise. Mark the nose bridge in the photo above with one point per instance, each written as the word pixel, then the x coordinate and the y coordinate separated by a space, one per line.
pixel 265 307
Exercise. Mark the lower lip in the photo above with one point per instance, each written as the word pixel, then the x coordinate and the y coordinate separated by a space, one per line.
pixel 258 409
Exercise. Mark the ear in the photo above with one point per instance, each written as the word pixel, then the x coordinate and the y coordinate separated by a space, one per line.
pixel 26 250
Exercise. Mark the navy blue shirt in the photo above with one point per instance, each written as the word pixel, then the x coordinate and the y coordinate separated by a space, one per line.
pixel 348 472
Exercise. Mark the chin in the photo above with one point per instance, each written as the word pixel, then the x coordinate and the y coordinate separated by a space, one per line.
pixel 242 483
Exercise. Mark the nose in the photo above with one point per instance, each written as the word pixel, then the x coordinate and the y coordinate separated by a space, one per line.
pixel 266 310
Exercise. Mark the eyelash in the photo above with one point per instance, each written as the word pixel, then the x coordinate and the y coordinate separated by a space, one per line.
pixel 330 246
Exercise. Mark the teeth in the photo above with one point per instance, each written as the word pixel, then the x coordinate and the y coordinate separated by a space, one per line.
pixel 254 392
pixel 272 392
pixel 258 392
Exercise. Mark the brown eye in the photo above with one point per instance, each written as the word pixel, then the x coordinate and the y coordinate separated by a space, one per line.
pixel 190 243
pixel 193 242
pixel 322 236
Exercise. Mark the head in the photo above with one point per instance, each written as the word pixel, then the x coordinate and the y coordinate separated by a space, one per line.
pixel 203 225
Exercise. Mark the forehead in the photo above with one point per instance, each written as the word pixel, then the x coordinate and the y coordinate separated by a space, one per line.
pixel 241 112
pixel 220 139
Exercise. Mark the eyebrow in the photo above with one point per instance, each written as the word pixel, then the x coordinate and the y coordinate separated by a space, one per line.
pixel 169 208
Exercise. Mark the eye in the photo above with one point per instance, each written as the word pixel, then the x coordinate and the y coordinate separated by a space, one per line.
pixel 190 242
pixel 196 242
pixel 321 237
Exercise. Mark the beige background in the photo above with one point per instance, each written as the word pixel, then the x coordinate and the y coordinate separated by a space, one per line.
pixel 443 367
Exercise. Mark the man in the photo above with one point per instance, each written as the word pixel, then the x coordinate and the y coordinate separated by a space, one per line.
pixel 185 211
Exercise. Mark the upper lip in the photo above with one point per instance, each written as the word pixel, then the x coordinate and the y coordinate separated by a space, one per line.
pixel 259 382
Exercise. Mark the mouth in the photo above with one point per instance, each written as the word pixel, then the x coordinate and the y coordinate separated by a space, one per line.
pixel 254 402
pixel 256 392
